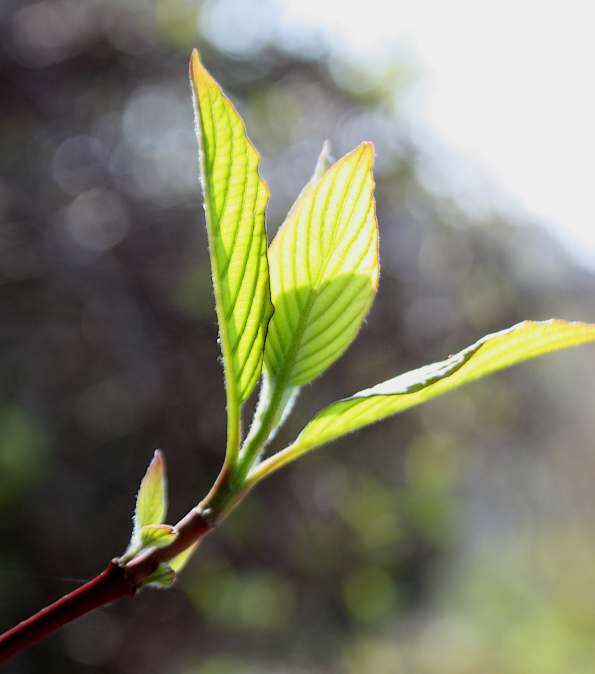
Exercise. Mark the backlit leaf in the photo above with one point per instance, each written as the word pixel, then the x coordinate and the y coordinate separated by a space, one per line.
pixel 178 562
pixel 491 353
pixel 151 501
pixel 157 535
pixel 324 269
pixel 235 198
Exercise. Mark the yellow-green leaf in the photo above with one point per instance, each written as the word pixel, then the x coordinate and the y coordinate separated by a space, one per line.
pixel 151 501
pixel 162 578
pixel 178 562
pixel 491 353
pixel 157 535
pixel 235 199
pixel 324 270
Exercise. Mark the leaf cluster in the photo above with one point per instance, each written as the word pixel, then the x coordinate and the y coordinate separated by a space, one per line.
pixel 287 311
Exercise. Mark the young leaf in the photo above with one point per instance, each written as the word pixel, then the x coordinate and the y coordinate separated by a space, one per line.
pixel 235 198
pixel 151 501
pixel 178 562
pixel 157 535
pixel 162 578
pixel 324 270
pixel 491 353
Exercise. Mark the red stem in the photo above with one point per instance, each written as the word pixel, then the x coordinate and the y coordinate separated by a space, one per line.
pixel 112 584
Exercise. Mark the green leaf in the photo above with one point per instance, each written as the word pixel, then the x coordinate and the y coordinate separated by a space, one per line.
pixel 324 269
pixel 157 535
pixel 151 501
pixel 162 578
pixel 491 353
pixel 235 198
pixel 178 562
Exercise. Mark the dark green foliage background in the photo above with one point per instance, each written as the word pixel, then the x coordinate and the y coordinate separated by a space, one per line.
pixel 457 538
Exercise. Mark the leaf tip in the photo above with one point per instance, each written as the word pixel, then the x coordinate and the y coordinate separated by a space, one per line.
pixel 363 153
pixel 158 461
pixel 368 150
pixel 326 149
pixel 151 500
pixel 195 62
pixel 199 75
pixel 325 160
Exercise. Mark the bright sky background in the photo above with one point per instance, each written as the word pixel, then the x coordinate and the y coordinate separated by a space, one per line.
pixel 507 87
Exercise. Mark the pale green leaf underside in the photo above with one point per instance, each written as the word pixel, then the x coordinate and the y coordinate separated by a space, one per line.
pixel 151 501
pixel 235 202
pixel 324 162
pixel 324 270
pixel 491 353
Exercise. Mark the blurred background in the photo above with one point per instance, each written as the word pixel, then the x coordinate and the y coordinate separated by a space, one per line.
pixel 455 539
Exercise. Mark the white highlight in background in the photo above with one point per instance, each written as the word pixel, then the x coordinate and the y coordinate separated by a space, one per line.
pixel 507 87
